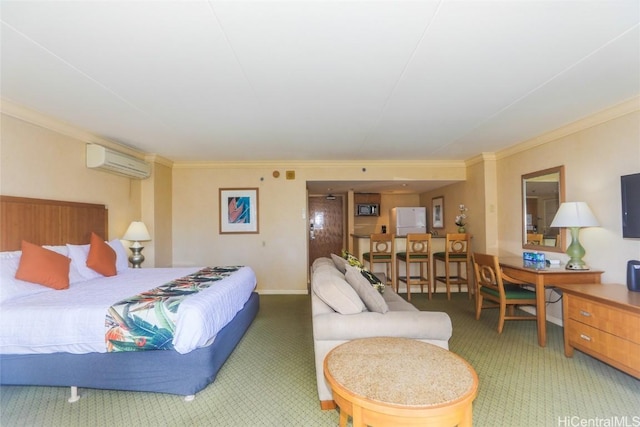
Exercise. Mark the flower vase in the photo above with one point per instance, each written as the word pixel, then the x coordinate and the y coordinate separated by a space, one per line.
pixel 461 229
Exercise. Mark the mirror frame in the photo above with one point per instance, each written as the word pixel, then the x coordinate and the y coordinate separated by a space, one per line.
pixel 561 198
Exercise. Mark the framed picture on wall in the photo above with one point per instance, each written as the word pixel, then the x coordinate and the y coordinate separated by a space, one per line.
pixel 238 210
pixel 437 206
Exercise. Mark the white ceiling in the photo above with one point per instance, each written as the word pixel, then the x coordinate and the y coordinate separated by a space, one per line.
pixel 319 80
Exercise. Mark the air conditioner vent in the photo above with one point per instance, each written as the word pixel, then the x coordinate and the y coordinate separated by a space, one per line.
pixel 99 157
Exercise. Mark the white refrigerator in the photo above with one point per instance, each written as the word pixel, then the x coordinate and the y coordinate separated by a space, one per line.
pixel 408 220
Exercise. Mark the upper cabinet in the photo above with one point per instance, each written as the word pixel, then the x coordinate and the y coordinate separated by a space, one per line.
pixel 367 198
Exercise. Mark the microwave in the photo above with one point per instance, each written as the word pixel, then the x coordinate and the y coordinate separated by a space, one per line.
pixel 367 209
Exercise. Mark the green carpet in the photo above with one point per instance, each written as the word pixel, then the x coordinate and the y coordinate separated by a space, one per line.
pixel 269 380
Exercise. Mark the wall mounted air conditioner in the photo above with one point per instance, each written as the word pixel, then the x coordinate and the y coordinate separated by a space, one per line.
pixel 99 157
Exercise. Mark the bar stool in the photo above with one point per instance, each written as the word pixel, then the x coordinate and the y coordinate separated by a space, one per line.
pixel 457 251
pixel 381 251
pixel 418 251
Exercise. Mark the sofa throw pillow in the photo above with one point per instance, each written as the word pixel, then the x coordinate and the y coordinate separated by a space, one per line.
pixel 373 280
pixel 340 263
pixel 334 291
pixel 352 260
pixel 369 295
pixel 321 262
pixel 101 257
pixel 44 267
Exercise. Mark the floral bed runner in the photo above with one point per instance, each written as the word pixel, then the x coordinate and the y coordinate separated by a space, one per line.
pixel 147 321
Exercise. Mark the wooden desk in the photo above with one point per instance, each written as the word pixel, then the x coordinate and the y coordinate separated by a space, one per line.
pixel 430 386
pixel 512 266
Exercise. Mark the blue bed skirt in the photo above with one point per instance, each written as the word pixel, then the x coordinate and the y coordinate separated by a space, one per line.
pixel 161 371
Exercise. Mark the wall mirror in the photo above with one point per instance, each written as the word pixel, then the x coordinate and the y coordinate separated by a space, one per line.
pixel 542 193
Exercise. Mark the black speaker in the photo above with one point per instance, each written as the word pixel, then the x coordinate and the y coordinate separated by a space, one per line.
pixel 633 275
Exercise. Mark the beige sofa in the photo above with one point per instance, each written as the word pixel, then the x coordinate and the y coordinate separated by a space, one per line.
pixel 341 313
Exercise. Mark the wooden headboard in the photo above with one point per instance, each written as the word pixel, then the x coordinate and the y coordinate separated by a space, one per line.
pixel 49 222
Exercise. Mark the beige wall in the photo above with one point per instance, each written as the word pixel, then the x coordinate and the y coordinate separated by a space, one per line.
pixel 594 160
pixel 42 163
pixel 278 253
pixel 157 213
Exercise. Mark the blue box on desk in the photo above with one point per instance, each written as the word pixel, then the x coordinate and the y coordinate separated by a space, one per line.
pixel 533 260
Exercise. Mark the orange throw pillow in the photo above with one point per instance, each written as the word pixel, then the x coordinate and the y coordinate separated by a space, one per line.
pixel 102 258
pixel 44 267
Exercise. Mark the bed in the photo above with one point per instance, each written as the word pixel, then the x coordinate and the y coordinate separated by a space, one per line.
pixel 183 370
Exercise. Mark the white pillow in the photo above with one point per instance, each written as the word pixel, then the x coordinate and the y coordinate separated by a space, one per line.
pixel 10 287
pixel 78 255
pixel 74 274
pixel 122 260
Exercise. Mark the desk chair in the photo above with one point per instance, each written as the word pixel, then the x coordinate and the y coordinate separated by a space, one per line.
pixel 457 251
pixel 417 251
pixel 491 286
pixel 381 251
pixel 535 239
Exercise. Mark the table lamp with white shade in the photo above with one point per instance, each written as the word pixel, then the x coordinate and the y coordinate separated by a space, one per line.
pixel 136 233
pixel 575 215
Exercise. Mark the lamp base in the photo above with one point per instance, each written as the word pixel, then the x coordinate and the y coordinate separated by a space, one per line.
pixel 577 266
pixel 136 258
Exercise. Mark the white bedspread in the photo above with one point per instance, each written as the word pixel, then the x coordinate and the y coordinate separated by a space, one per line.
pixel 73 320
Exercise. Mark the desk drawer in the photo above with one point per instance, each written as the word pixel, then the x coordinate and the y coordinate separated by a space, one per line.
pixel 610 348
pixel 605 317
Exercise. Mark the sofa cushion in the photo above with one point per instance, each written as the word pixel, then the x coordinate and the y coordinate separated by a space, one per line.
pixel 322 261
pixel 373 280
pixel 336 292
pixel 367 293
pixel 340 263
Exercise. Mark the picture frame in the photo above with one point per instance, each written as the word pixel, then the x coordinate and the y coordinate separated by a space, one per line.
pixel 437 208
pixel 238 210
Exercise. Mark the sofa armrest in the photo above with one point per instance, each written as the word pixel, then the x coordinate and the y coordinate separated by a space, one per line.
pixel 406 324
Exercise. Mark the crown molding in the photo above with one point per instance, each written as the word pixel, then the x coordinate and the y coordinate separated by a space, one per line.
pixel 481 158
pixel 10 108
pixel 154 158
pixel 627 107
pixel 310 164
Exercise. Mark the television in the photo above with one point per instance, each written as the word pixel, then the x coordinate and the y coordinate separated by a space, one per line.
pixel 630 185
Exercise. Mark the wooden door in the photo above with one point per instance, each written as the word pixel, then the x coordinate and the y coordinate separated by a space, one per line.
pixel 326 226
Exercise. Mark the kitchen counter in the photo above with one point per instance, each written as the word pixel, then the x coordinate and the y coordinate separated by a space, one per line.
pixel 361 245
pixel 366 236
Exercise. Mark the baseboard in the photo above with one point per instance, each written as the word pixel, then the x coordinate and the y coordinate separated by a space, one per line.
pixel 282 291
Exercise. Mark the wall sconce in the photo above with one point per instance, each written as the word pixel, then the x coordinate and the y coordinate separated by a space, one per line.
pixel 575 215
pixel 136 233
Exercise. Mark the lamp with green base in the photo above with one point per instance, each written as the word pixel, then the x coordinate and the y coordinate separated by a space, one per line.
pixel 575 215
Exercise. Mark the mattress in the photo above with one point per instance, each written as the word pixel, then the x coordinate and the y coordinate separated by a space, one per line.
pixel 73 320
